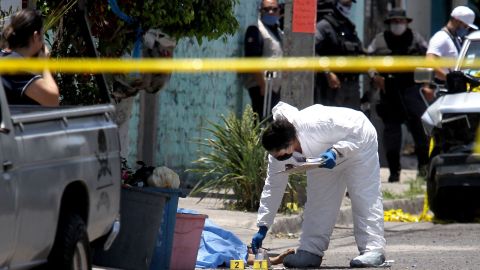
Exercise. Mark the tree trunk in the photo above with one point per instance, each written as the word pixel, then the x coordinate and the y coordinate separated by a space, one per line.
pixel 123 113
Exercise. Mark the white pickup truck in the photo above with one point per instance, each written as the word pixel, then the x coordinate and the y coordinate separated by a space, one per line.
pixel 59 184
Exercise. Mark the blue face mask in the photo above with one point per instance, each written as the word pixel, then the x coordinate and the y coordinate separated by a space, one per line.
pixel 461 32
pixel 270 19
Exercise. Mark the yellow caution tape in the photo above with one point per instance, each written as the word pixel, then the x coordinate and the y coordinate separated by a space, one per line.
pixel 161 65
pixel 477 142
pixel 397 215
pixel 431 146
pixel 292 206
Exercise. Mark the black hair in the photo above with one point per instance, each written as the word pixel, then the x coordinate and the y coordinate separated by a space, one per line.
pixel 278 135
pixel 22 26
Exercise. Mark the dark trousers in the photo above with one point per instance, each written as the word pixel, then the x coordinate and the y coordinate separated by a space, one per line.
pixel 413 108
pixel 258 100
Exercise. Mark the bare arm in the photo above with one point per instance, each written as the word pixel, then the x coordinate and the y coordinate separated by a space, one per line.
pixel 439 72
pixel 44 90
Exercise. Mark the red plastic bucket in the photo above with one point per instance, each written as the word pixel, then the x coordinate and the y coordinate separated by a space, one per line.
pixel 186 240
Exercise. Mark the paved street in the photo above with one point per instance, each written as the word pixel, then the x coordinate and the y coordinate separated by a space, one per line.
pixel 410 245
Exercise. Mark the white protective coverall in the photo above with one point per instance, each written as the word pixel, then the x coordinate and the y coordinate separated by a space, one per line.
pixel 354 137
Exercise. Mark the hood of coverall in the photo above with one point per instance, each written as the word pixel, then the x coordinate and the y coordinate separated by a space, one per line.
pixel 284 110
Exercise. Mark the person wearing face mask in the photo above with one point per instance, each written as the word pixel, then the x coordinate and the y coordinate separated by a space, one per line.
pixel 264 40
pixel 24 36
pixel 336 36
pixel 448 41
pixel 347 141
pixel 400 100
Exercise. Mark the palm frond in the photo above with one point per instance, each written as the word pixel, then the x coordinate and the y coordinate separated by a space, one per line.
pixel 56 15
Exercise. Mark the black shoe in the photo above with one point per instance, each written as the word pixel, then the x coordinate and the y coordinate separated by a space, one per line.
pixel 422 171
pixel 393 178
pixel 302 259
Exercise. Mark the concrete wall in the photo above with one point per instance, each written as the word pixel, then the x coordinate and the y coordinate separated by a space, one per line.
pixel 190 100
pixel 5 5
pixel 420 12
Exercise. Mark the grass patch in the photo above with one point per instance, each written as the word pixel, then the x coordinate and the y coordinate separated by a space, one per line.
pixel 415 187
pixel 389 195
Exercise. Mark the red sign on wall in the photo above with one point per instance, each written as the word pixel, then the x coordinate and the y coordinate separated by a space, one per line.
pixel 304 16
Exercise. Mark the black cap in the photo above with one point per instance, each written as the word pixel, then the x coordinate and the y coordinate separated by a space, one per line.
pixel 397 13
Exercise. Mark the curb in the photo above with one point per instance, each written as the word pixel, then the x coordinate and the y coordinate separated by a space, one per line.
pixel 293 224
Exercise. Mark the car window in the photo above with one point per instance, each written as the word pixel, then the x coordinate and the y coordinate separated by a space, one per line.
pixel 472 53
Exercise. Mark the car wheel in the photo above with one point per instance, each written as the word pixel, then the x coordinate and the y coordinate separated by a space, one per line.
pixel 432 192
pixel 71 249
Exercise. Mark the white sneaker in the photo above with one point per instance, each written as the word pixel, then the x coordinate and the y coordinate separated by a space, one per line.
pixel 302 259
pixel 368 259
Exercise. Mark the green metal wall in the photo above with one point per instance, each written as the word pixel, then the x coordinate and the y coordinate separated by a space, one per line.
pixel 190 100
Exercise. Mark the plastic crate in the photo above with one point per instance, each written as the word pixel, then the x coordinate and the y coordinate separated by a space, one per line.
pixel 164 244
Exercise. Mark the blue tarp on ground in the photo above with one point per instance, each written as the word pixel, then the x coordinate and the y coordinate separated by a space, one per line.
pixel 217 246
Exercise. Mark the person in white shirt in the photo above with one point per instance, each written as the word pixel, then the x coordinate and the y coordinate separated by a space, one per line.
pixel 448 41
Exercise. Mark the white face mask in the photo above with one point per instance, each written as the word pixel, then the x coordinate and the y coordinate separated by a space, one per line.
pixel 398 28
pixel 345 10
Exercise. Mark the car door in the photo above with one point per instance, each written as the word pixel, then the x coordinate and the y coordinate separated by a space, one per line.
pixel 7 198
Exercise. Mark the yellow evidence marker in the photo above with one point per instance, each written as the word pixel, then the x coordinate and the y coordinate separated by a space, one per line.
pixel 237 264
pixel 260 265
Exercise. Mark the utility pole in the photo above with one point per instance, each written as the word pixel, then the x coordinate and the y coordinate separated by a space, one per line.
pixel 297 87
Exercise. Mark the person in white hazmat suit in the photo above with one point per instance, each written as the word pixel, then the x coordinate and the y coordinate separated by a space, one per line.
pixel 347 141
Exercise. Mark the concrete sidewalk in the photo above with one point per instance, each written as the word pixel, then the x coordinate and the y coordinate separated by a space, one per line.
pixel 243 224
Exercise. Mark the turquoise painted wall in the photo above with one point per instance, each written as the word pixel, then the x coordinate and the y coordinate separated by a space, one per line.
pixel 190 100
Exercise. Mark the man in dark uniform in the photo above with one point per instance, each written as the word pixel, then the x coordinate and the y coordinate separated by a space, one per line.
pixel 264 40
pixel 336 36
pixel 400 100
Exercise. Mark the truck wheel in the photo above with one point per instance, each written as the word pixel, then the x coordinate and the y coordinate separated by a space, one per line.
pixel 71 249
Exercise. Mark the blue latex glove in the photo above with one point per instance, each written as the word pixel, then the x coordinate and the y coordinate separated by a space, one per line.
pixel 330 159
pixel 258 238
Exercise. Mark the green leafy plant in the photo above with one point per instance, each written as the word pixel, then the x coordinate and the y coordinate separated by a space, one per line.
pixel 210 19
pixel 113 37
pixel 233 159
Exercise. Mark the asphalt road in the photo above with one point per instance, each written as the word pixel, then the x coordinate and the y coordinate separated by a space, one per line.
pixel 409 245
